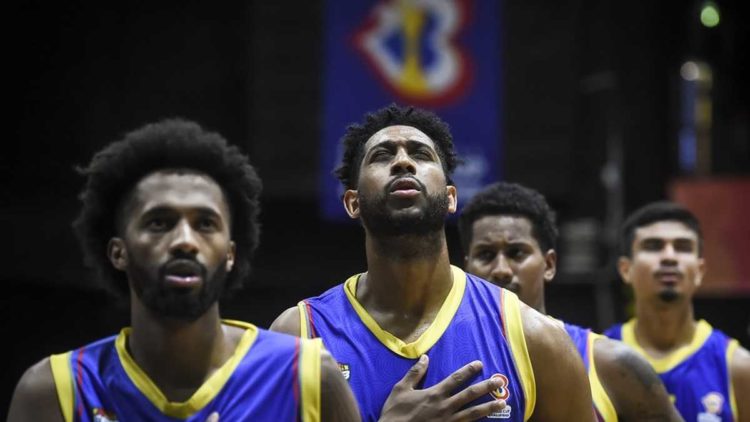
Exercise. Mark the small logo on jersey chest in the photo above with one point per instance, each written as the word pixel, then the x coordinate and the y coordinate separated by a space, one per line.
pixel 713 403
pixel 501 393
pixel 101 415
pixel 344 368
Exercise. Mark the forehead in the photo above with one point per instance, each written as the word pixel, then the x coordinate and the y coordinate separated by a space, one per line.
pixel 664 230
pixel 507 228
pixel 398 133
pixel 177 189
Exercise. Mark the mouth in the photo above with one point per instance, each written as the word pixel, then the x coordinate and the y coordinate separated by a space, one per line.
pixel 405 187
pixel 668 276
pixel 183 273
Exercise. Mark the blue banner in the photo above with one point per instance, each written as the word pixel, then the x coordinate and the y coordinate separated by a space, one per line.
pixel 442 55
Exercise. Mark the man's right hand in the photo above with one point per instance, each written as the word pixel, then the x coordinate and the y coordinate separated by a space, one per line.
pixel 405 403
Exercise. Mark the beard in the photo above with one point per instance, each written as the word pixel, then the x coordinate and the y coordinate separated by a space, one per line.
pixel 177 303
pixel 668 295
pixel 380 221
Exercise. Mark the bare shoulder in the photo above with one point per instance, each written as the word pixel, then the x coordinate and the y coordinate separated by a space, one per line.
pixel 554 358
pixel 35 397
pixel 337 400
pixel 740 363
pixel 739 369
pixel 287 322
pixel 634 388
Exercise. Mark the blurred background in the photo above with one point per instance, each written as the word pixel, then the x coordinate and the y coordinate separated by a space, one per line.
pixel 601 106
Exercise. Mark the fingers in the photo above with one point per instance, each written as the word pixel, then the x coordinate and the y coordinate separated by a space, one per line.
pixel 460 377
pixel 479 411
pixel 213 417
pixel 415 373
pixel 473 392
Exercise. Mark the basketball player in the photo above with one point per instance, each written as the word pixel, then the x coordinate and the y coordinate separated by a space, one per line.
pixel 170 215
pixel 508 235
pixel 412 306
pixel 706 372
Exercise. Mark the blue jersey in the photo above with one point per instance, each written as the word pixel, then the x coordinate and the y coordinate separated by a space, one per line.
pixel 478 320
pixel 270 377
pixel 583 339
pixel 697 375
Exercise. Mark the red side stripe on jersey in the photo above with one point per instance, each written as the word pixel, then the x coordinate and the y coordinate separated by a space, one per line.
pixel 295 380
pixel 79 381
pixel 313 332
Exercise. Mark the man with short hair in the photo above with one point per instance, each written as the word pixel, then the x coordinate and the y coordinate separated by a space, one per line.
pixel 661 258
pixel 411 308
pixel 508 234
pixel 170 214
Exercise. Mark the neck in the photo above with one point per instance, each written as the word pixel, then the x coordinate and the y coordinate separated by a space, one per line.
pixel 664 327
pixel 178 355
pixel 407 275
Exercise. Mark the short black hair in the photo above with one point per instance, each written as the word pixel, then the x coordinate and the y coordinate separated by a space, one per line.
pixel 168 144
pixel 357 135
pixel 655 212
pixel 504 198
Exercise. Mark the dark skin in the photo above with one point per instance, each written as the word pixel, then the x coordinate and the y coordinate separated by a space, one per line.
pixel 408 278
pixel 504 250
pixel 174 214
pixel 665 259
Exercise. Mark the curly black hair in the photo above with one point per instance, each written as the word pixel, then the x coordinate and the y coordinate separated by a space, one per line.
pixel 172 143
pixel 655 212
pixel 510 199
pixel 357 135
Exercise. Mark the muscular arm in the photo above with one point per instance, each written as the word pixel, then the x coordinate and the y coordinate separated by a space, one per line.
pixel 287 322
pixel 634 388
pixel 739 370
pixel 336 399
pixel 562 386
pixel 35 397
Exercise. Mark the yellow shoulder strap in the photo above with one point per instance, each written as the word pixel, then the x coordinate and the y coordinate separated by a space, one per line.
pixel 309 376
pixel 63 376
pixel 511 309
pixel 601 400
pixel 304 330
pixel 731 347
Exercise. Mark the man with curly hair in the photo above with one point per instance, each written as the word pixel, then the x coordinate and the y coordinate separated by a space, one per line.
pixel 411 309
pixel 509 237
pixel 170 214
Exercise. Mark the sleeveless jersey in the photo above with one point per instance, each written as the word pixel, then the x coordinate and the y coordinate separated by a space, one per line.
pixel 270 376
pixel 478 320
pixel 697 375
pixel 583 339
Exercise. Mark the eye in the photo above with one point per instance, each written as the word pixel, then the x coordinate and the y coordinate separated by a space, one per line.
pixel 422 154
pixel 207 224
pixel 652 245
pixel 684 245
pixel 156 224
pixel 484 255
pixel 380 155
pixel 515 253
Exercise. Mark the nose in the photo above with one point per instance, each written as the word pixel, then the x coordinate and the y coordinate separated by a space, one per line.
pixel 501 272
pixel 184 239
pixel 668 255
pixel 402 163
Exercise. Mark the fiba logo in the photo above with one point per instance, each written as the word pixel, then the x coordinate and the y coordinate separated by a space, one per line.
pixel 411 45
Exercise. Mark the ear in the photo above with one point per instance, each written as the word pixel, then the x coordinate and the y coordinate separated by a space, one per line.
pixel 623 267
pixel 701 271
pixel 550 265
pixel 231 254
pixel 351 203
pixel 452 198
pixel 117 253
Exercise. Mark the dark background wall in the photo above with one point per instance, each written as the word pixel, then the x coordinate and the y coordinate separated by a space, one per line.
pixel 579 77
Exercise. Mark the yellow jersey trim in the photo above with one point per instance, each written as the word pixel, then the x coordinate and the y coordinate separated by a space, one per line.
pixel 205 392
pixel 309 374
pixel 511 308
pixel 304 330
pixel 665 364
pixel 601 399
pixel 428 339
pixel 62 374
pixel 731 347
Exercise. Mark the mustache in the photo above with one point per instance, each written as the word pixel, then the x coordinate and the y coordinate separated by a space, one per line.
pixel 182 265
pixel 390 184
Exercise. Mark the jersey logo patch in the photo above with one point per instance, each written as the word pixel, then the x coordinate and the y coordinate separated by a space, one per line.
pixel 101 415
pixel 344 368
pixel 713 403
pixel 501 393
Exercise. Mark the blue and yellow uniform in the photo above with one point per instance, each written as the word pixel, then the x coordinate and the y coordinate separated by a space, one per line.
pixel 478 320
pixel 270 376
pixel 696 375
pixel 583 339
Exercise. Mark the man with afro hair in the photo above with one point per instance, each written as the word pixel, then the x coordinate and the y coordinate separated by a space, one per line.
pixel 170 215
pixel 412 309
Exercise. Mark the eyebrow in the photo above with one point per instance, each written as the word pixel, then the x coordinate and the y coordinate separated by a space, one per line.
pixel 411 144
